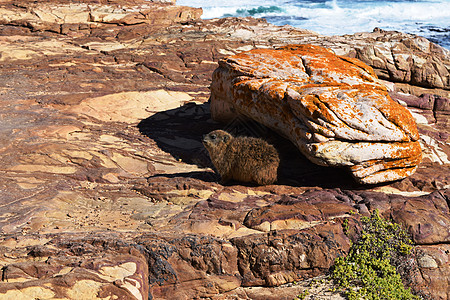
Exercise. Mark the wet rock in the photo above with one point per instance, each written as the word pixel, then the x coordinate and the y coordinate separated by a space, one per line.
pixel 336 113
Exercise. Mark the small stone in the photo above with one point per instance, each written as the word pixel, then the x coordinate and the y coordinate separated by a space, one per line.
pixel 427 261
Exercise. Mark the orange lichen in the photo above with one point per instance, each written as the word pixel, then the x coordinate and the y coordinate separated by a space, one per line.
pixel 315 95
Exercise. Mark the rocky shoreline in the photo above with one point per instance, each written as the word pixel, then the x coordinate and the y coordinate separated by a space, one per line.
pixel 106 190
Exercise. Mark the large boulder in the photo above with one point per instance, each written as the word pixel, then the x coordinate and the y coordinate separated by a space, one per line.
pixel 332 108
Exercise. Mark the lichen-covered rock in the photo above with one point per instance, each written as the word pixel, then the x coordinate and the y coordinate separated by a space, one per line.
pixel 332 108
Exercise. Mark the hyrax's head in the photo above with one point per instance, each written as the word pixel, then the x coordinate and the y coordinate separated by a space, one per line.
pixel 216 138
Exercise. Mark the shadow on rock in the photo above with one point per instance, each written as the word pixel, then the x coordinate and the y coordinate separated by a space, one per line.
pixel 203 176
pixel 179 132
pixel 296 170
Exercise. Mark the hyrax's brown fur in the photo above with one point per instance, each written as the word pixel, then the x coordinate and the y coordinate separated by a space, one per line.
pixel 244 159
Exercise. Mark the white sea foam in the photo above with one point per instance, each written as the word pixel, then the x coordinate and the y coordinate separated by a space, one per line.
pixel 427 18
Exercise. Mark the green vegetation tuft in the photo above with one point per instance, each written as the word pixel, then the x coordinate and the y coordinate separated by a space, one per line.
pixel 368 272
pixel 302 296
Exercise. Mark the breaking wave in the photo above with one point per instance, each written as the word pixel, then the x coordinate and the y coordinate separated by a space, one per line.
pixel 429 18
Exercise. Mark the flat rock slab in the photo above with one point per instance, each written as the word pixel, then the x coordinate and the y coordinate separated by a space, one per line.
pixel 333 108
pixel 106 191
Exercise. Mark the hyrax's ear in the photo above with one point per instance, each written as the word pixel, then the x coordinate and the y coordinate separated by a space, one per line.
pixel 226 138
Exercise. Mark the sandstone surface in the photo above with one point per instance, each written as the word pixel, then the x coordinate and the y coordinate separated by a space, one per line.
pixel 106 191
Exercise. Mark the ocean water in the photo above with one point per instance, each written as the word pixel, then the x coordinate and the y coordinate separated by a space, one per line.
pixel 428 18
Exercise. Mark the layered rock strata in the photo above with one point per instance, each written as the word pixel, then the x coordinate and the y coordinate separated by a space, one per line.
pixel 226 246
pixel 106 190
pixel 332 108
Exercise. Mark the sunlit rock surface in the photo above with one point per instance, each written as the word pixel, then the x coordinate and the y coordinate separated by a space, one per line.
pixel 106 191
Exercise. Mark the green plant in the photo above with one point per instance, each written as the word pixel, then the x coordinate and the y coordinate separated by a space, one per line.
pixel 302 296
pixel 368 271
pixel 345 226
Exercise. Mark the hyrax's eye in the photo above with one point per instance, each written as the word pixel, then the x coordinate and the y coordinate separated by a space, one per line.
pixel 213 136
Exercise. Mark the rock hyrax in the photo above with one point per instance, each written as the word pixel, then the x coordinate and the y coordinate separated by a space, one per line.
pixel 244 159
